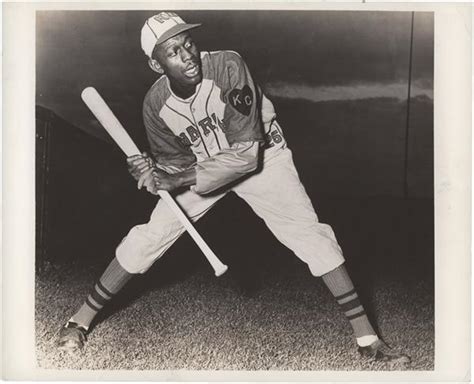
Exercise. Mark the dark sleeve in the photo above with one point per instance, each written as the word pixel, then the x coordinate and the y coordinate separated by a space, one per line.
pixel 166 148
pixel 241 117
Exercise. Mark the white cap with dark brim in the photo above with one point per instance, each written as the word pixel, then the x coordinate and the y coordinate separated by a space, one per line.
pixel 160 28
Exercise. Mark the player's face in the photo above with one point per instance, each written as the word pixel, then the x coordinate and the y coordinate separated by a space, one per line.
pixel 180 60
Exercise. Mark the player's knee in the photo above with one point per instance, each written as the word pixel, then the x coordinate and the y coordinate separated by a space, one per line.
pixel 140 248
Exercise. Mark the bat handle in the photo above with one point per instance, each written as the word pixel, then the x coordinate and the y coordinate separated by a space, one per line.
pixel 217 265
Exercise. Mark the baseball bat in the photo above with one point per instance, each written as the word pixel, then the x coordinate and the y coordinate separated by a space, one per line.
pixel 106 117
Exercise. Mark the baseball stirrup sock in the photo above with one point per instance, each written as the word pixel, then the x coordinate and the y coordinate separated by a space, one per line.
pixel 340 285
pixel 111 281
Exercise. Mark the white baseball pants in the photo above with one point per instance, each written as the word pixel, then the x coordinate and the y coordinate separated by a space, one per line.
pixel 275 194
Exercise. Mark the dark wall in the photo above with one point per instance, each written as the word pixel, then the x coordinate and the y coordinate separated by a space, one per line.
pixel 83 190
pixel 339 81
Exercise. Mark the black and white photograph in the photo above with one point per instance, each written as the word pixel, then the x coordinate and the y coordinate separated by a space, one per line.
pixel 235 190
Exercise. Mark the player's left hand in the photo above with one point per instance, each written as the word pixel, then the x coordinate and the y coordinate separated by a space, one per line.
pixel 139 164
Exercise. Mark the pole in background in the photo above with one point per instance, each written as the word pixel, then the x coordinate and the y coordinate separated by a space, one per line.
pixel 407 131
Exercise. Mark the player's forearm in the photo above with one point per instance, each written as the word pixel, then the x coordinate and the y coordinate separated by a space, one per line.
pixel 226 167
pixel 185 178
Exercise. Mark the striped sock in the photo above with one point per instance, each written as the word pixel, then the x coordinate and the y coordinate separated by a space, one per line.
pixel 340 285
pixel 112 280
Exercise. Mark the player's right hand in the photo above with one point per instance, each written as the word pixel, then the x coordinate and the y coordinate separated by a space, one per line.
pixel 139 164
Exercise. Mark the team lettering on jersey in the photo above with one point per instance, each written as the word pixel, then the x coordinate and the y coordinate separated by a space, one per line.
pixel 207 125
pixel 198 123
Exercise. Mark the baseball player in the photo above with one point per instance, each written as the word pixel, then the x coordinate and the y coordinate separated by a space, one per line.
pixel 212 131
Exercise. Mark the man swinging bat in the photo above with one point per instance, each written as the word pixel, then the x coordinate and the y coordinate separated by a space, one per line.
pixel 212 131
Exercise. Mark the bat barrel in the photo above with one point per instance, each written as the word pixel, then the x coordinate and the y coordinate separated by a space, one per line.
pixel 109 121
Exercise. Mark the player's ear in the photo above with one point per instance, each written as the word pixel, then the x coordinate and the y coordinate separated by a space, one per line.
pixel 153 64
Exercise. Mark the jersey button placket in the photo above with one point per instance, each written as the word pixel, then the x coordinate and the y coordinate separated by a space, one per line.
pixel 193 109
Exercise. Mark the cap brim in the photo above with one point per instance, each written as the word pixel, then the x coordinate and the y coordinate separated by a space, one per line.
pixel 176 30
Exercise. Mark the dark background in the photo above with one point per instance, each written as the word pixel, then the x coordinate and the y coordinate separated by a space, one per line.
pixel 339 82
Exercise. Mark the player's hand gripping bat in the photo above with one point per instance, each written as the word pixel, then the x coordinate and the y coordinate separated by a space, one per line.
pixel 111 124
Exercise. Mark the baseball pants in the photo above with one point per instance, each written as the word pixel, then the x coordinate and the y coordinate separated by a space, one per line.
pixel 275 194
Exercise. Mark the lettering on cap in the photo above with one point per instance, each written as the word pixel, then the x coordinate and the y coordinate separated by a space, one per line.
pixel 164 16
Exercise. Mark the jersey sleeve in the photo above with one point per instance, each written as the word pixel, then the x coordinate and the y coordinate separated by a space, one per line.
pixel 226 166
pixel 166 148
pixel 243 128
pixel 241 116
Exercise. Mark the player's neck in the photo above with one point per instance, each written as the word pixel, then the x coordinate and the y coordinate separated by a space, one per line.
pixel 183 92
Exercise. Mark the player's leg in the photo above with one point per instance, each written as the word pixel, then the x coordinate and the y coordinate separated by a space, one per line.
pixel 143 245
pixel 370 346
pixel 278 197
pixel 72 335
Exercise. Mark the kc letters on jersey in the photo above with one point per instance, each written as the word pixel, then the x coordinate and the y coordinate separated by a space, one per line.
pixel 241 99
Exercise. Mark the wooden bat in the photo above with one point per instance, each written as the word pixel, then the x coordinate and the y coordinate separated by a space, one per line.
pixel 106 117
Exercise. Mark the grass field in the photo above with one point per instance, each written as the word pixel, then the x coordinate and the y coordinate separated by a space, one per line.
pixel 267 312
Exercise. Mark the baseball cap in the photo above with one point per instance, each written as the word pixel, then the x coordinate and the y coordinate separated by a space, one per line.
pixel 160 28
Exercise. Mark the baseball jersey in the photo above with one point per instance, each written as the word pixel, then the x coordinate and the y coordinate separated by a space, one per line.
pixel 218 129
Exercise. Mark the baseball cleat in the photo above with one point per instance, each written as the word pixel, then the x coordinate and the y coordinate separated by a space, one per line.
pixel 72 337
pixel 379 351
